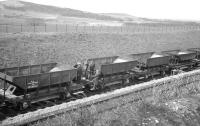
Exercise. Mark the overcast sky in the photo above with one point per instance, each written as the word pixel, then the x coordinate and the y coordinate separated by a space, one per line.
pixel 161 9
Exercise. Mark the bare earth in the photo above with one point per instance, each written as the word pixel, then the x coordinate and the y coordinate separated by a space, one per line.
pixel 68 48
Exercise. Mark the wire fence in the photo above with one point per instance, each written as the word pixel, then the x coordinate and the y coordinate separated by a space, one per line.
pixel 137 28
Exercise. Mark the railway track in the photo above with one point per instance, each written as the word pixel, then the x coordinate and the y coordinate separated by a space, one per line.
pixel 7 112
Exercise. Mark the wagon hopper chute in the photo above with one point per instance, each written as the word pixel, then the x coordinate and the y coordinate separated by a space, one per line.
pixel 107 71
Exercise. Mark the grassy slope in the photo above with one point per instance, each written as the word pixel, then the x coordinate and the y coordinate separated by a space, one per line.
pixel 21 49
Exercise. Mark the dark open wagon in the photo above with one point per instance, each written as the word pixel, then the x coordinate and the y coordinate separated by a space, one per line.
pixel 36 85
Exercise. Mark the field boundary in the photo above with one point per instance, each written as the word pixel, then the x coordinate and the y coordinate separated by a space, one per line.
pixel 74 28
pixel 122 96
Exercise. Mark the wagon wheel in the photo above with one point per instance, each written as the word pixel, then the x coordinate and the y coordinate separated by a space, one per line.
pixel 126 81
pixel 86 87
pixel 63 96
pixel 131 80
pixel 163 74
pixel 123 81
pixel 65 93
pixel 1 100
pixel 146 76
pixel 81 95
pixel 101 85
pixel 22 105
pixel 2 116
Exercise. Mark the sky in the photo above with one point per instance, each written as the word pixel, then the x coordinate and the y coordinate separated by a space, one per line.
pixel 157 9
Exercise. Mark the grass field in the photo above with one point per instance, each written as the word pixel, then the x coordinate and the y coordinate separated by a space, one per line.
pixel 68 48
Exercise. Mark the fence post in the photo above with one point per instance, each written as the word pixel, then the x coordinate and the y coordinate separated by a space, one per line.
pixel 77 28
pixel 34 26
pixel 100 30
pixel 4 87
pixel 45 28
pixel 92 28
pixel 84 29
pixel 21 27
pixel 6 28
pixel 56 28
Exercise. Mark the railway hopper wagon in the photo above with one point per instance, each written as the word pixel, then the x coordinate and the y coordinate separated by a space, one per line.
pixel 197 50
pixel 197 59
pixel 149 64
pixel 106 71
pixel 117 73
pixel 31 84
pixel 181 60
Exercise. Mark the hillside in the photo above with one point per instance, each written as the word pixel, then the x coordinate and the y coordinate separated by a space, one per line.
pixel 24 12
pixel 20 12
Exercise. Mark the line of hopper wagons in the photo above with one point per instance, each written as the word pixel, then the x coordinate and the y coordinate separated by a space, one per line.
pixel 25 85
